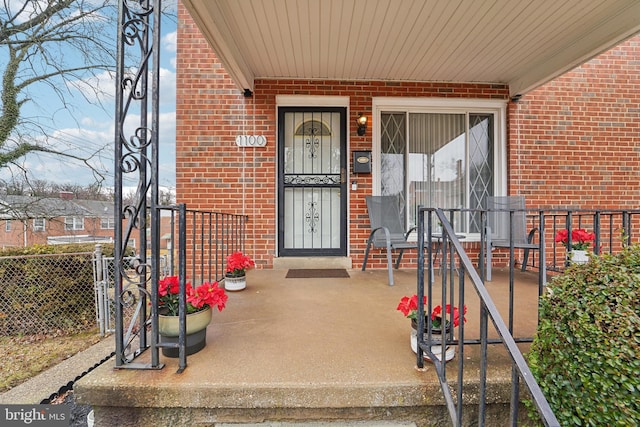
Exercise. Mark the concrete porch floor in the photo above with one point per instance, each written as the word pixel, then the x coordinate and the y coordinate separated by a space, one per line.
pixel 310 350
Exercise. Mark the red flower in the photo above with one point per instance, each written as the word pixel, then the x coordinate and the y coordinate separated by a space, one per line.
pixel 238 264
pixel 168 285
pixel 580 238
pixel 205 295
pixel 436 315
pixel 409 307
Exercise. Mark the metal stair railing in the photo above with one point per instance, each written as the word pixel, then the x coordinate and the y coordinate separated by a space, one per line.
pixel 458 264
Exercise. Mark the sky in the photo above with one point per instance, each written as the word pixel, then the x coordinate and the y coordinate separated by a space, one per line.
pixel 80 127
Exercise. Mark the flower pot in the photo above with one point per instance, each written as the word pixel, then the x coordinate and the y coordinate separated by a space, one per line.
pixel 169 328
pixel 436 342
pixel 235 283
pixel 578 257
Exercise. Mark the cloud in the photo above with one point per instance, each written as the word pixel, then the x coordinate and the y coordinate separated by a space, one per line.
pixel 170 41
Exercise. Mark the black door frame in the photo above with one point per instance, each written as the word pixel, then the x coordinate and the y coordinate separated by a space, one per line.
pixel 342 185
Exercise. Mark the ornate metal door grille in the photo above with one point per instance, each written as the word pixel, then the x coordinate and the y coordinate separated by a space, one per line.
pixel 312 181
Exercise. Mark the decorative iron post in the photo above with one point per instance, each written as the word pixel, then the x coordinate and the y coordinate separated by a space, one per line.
pixel 136 164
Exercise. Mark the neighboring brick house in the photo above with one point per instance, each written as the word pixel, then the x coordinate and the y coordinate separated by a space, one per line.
pixel 29 220
pixel 571 142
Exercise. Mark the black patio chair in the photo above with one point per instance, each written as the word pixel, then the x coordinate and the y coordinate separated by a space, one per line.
pixel 499 210
pixel 387 230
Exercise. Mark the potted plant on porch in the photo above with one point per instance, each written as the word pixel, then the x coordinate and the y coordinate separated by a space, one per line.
pixel 236 274
pixel 580 242
pixel 409 307
pixel 200 301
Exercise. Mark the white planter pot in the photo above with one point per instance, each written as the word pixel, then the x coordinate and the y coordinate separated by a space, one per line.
pixel 578 257
pixel 235 283
pixel 437 350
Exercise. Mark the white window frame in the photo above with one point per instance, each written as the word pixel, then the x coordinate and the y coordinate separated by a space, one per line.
pixel 76 223
pixel 39 224
pixel 7 225
pixel 110 223
pixel 444 105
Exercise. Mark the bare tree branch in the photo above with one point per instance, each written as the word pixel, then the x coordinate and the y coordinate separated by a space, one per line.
pixel 54 44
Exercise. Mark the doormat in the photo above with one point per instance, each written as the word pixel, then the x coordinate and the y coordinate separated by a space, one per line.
pixel 313 273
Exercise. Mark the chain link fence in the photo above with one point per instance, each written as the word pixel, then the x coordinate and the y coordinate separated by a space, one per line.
pixel 63 293
pixel 41 294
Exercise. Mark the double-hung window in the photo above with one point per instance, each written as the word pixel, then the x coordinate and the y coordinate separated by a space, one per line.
pixel 73 223
pixel 39 224
pixel 441 154
pixel 107 223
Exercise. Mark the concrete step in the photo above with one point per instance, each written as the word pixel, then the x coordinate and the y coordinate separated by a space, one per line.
pixel 312 262
pixel 323 424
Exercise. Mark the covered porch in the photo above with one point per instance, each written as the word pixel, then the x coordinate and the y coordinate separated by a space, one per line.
pixel 334 349
pixel 314 349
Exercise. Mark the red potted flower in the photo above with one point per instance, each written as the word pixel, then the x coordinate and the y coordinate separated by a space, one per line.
pixel 409 307
pixel 580 242
pixel 200 301
pixel 237 266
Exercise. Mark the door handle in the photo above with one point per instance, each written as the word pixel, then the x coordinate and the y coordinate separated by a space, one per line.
pixel 343 176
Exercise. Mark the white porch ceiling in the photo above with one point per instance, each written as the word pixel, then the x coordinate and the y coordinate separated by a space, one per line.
pixel 516 42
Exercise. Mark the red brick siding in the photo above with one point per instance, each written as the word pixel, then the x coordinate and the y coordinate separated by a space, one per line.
pixel 212 173
pixel 18 237
pixel 575 141
pixel 572 142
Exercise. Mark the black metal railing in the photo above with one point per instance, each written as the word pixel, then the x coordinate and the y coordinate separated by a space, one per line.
pixel 204 241
pixel 457 267
pixel 613 229
pixel 210 238
pixel 200 242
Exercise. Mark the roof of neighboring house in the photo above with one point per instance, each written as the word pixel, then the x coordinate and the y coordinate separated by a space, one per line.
pixel 21 207
pixel 98 208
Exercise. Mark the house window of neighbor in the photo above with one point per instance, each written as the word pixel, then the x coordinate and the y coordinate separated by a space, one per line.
pixel 442 158
pixel 73 223
pixel 107 223
pixel 7 226
pixel 38 224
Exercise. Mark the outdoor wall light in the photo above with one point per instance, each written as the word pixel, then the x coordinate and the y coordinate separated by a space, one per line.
pixel 362 124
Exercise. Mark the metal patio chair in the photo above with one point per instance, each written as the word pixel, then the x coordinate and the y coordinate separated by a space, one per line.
pixel 387 230
pixel 499 216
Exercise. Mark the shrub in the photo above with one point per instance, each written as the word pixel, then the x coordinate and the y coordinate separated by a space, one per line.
pixel 586 353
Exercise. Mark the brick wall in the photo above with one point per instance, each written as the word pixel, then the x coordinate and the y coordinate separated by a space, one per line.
pixel 213 173
pixel 571 143
pixel 575 141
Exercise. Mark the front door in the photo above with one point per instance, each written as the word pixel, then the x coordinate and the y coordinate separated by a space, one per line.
pixel 312 191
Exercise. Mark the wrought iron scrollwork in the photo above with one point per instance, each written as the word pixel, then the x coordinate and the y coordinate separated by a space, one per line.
pixel 303 179
pixel 312 143
pixel 312 217
pixel 137 91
